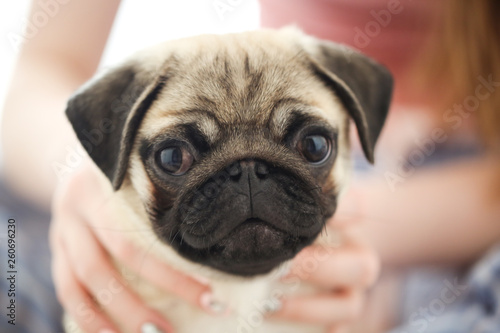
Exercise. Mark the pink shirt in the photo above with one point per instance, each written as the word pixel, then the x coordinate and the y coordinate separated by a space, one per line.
pixel 390 31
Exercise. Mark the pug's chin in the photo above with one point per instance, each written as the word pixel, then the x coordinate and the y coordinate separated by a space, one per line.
pixel 252 248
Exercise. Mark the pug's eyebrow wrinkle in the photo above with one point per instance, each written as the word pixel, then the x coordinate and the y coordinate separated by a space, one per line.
pixel 196 136
pixel 289 115
pixel 205 121
pixel 297 120
pixel 276 117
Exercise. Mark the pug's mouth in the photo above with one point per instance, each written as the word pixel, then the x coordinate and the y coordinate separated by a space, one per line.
pixel 253 247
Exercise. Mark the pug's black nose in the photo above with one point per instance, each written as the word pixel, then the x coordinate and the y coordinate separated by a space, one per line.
pixel 250 168
pixel 261 169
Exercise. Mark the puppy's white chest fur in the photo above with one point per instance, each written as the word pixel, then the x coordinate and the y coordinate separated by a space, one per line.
pixel 249 300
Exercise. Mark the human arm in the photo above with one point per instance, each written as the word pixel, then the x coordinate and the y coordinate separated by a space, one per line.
pixel 61 56
pixel 444 215
pixel 35 134
pixel 441 214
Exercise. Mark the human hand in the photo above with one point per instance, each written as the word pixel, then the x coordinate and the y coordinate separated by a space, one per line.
pixel 342 269
pixel 84 236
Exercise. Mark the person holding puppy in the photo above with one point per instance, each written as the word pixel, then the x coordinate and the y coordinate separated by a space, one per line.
pixel 77 205
pixel 72 48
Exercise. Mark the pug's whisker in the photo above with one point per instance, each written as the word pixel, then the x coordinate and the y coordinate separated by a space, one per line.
pixel 175 235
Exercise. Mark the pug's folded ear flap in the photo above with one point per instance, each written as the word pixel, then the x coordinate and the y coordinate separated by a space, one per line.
pixel 363 86
pixel 106 114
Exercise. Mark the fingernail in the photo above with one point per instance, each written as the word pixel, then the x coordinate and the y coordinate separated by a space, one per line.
pixel 106 330
pixel 150 328
pixel 271 307
pixel 208 302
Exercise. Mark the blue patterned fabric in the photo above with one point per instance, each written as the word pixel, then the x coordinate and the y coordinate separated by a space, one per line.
pixel 36 306
pixel 447 305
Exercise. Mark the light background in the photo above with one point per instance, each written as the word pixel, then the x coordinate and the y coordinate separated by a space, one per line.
pixel 139 23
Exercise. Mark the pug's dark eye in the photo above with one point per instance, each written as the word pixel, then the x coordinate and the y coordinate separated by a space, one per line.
pixel 315 148
pixel 175 160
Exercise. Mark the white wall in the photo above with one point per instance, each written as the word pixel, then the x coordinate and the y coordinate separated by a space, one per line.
pixel 145 22
pixel 12 16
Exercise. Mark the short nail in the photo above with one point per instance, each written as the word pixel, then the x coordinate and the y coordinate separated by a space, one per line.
pixel 273 306
pixel 150 328
pixel 106 330
pixel 213 306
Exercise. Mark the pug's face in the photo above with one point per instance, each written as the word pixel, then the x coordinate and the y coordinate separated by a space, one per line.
pixel 237 145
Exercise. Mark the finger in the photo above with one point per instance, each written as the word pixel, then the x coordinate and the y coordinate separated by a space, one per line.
pixel 324 309
pixel 146 264
pixel 113 238
pixel 350 209
pixel 76 301
pixel 100 278
pixel 338 329
pixel 349 266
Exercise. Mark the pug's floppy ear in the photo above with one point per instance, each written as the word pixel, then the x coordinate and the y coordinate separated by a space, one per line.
pixel 106 115
pixel 363 86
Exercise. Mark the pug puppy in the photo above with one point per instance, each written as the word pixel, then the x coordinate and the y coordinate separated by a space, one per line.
pixel 228 154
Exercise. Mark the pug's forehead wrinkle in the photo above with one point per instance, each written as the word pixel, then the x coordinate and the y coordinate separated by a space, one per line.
pixel 278 118
pixel 205 121
pixel 235 79
pixel 287 117
pixel 223 90
pixel 287 111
